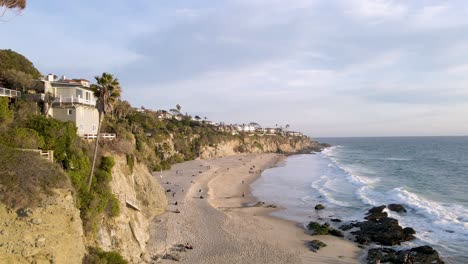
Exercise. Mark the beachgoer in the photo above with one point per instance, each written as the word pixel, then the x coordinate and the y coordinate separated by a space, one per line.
pixel 177 211
pixel 243 194
pixel 242 181
pixel 176 203
pixel 188 246
pixel 173 194
pixel 377 261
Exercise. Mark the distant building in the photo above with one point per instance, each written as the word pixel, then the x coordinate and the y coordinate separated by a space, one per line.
pixel 73 100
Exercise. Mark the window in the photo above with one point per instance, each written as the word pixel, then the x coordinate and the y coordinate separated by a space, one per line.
pixel 69 111
pixel 79 93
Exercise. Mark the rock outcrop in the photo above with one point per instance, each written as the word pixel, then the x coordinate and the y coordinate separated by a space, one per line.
pixel 420 255
pixel 397 208
pixel 261 144
pixel 49 233
pixel 381 229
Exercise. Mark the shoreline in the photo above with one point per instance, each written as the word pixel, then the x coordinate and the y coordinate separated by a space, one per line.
pixel 222 229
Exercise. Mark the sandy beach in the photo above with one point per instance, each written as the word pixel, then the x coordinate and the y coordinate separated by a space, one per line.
pixel 211 215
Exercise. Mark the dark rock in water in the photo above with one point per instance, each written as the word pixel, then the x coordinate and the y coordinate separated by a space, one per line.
pixel 315 245
pixel 377 209
pixel 336 220
pixel 335 232
pixel 397 208
pixel 376 216
pixel 409 231
pixel 386 232
pixel 420 255
pixel 347 227
pixel 319 207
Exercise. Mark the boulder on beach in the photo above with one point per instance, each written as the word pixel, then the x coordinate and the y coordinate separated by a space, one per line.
pixel 315 245
pixel 319 207
pixel 397 208
pixel 317 228
pixel 335 232
pixel 420 255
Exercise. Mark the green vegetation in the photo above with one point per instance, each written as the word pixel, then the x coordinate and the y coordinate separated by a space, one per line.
pixel 318 229
pixel 6 114
pixel 99 256
pixel 17 72
pixel 70 152
pixel 324 229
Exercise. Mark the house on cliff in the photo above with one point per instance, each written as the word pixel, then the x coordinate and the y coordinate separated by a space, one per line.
pixel 70 100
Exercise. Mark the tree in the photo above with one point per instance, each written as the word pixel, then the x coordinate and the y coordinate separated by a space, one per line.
pixel 197 118
pixel 17 80
pixel 122 109
pixel 178 107
pixel 12 4
pixel 108 92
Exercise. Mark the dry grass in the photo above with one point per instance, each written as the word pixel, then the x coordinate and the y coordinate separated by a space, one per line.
pixel 26 179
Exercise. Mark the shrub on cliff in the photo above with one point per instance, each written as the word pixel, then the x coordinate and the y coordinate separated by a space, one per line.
pixel 99 256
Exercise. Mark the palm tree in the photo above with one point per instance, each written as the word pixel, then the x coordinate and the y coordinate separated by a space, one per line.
pixel 107 91
pixel 12 4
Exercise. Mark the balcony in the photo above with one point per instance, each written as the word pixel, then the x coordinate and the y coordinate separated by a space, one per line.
pixel 74 100
pixel 9 93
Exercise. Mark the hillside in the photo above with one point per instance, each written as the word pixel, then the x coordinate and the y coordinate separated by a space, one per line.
pixel 111 220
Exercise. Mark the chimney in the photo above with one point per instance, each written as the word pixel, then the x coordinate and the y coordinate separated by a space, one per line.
pixel 64 77
pixel 50 77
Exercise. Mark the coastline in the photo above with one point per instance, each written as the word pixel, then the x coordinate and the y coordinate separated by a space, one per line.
pixel 222 229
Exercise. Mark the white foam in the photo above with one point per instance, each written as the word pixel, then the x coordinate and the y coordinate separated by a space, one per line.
pixel 445 216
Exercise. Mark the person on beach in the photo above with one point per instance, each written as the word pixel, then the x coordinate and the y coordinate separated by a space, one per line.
pixel 243 194
pixel 173 194
pixel 377 261
pixel 242 181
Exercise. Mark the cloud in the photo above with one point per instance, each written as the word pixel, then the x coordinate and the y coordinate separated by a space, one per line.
pixel 375 9
pixel 349 67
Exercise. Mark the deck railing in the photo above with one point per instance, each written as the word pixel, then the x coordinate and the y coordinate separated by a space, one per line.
pixel 108 136
pixel 45 154
pixel 74 100
pixel 9 93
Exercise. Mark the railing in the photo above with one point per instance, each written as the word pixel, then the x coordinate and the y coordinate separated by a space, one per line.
pixel 108 136
pixel 74 100
pixel 9 93
pixel 44 154
pixel 127 200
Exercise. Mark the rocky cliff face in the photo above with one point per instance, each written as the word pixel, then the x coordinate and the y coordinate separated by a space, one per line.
pixel 260 144
pixel 141 199
pixel 50 233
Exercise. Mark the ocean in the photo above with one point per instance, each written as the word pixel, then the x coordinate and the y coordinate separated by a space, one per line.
pixel 428 175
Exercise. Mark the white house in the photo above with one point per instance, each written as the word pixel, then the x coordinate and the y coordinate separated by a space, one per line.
pixel 73 100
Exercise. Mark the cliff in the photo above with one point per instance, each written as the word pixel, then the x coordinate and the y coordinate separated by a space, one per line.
pixel 141 199
pixel 260 144
pixel 39 222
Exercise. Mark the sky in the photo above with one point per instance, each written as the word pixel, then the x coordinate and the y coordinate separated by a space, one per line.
pixel 327 68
